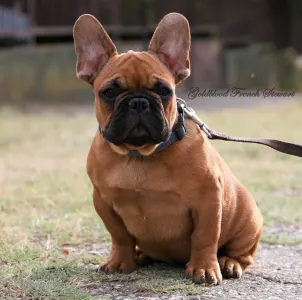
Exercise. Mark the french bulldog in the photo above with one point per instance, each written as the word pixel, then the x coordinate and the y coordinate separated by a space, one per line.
pixel 180 204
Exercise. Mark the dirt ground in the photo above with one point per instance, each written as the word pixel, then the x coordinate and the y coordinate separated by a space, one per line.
pixel 276 274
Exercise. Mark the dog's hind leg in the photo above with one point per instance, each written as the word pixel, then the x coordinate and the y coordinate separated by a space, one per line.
pixel 236 256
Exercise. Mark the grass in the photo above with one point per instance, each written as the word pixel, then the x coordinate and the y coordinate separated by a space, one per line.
pixel 46 206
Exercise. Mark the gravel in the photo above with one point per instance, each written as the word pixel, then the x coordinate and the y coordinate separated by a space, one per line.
pixel 277 274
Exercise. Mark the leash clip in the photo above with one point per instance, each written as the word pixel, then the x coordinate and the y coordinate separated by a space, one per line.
pixel 190 112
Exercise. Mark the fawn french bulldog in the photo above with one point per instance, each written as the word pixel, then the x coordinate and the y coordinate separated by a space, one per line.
pixel 179 204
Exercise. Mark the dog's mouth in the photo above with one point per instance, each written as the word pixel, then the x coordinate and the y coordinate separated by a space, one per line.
pixel 139 136
pixel 137 127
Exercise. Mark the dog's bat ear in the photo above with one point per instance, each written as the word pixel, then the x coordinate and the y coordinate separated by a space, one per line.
pixel 93 47
pixel 171 43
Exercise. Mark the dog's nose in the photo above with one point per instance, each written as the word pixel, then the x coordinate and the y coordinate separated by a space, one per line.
pixel 139 104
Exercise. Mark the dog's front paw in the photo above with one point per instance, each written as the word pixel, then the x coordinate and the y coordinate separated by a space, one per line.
pixel 208 273
pixel 230 267
pixel 116 264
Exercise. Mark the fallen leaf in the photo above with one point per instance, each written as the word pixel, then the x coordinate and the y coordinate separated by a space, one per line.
pixel 65 251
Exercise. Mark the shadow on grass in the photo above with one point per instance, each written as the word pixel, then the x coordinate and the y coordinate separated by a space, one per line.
pixel 158 278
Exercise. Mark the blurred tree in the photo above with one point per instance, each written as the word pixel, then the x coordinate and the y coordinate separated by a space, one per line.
pixel 281 14
pixel 297 6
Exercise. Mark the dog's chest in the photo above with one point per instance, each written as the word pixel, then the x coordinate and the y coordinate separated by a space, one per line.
pixel 153 215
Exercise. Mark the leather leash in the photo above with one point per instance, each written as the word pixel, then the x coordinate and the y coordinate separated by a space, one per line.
pixel 284 147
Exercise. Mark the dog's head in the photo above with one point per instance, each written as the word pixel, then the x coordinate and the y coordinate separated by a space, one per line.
pixel 134 91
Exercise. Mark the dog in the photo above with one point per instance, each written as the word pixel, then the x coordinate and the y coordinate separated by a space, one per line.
pixel 180 204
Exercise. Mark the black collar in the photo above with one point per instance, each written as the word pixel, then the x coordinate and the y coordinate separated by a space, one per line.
pixel 178 133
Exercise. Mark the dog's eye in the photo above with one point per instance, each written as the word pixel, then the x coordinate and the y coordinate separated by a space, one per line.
pixel 164 91
pixel 109 93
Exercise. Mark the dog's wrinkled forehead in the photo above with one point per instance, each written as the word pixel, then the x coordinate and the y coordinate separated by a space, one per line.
pixel 134 70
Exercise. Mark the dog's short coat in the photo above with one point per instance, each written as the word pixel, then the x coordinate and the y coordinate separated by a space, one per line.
pixel 181 204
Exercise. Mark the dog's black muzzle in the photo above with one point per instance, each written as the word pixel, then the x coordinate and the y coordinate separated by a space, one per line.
pixel 137 120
